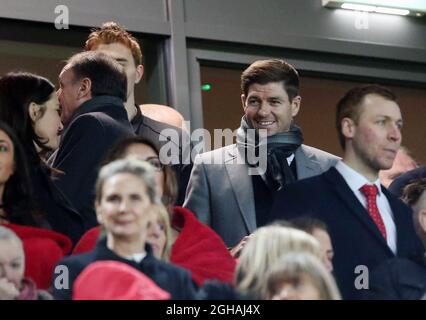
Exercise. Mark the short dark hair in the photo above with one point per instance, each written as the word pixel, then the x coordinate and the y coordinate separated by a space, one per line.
pixel 19 201
pixel 308 224
pixel 107 75
pixel 349 105
pixel 413 191
pixel 272 70
pixel 17 91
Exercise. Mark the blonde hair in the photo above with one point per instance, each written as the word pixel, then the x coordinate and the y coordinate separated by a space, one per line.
pixel 159 212
pixel 293 266
pixel 266 246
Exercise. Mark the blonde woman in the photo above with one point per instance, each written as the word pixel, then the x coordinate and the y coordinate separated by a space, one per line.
pixel 263 249
pixel 300 276
pixel 159 234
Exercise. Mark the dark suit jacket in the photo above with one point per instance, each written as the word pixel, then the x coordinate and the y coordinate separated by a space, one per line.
pixel 95 126
pixel 175 280
pixel 397 186
pixel 60 214
pixel 154 131
pixel 356 239
pixel 399 279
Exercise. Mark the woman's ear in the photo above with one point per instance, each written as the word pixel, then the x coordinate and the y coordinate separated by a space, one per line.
pixel 34 111
pixel 98 213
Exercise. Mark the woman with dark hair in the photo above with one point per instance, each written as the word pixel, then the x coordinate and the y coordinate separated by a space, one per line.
pixel 195 246
pixel 18 212
pixel 29 105
pixel 16 193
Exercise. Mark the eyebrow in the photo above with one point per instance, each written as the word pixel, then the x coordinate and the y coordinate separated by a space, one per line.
pixel 389 118
pixel 121 59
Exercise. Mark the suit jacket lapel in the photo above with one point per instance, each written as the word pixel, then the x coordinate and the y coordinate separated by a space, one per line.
pixel 355 207
pixel 242 186
pixel 306 163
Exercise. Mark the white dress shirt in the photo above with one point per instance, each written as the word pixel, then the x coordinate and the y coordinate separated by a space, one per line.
pixel 355 181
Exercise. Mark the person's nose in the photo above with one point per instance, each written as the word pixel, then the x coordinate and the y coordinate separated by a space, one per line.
pixel 124 205
pixel 264 109
pixel 154 230
pixel 328 264
pixel 394 133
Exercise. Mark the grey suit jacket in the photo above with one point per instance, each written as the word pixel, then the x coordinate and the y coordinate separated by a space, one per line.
pixel 220 192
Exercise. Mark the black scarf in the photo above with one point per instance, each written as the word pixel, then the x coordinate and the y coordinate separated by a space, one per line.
pixel 279 147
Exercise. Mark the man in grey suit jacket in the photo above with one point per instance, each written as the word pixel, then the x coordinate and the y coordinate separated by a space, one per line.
pixel 223 191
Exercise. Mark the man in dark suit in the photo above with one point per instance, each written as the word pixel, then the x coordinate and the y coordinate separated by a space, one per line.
pixel 91 94
pixel 115 41
pixel 366 223
pixel 405 278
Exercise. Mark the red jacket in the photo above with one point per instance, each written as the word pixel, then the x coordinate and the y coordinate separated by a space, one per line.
pixel 197 248
pixel 43 249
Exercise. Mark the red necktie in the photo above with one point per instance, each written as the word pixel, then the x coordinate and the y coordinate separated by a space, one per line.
pixel 370 192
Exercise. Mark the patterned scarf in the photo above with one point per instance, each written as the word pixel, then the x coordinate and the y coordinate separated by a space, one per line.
pixel 279 147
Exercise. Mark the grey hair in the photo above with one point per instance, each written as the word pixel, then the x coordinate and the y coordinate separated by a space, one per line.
pixel 7 234
pixel 141 169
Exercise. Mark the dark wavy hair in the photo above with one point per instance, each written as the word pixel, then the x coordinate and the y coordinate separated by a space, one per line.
pixel 17 91
pixel 18 198
pixel 170 185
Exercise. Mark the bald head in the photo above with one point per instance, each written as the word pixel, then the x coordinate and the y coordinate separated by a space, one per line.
pixel 163 113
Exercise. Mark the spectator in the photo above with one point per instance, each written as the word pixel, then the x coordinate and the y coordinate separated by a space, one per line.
pixel 29 105
pixel 125 191
pixel 229 190
pixel 405 278
pixel 164 114
pixel 160 233
pixel 397 186
pixel 92 88
pixel 263 249
pixel 300 276
pixel 114 41
pixel 191 239
pixel 18 212
pixel 318 230
pixel 13 284
pixel 366 223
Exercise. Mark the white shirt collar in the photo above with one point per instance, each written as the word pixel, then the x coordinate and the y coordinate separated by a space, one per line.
pixel 138 257
pixel 290 159
pixel 354 179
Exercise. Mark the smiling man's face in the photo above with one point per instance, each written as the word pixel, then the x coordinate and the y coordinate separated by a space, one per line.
pixel 268 107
